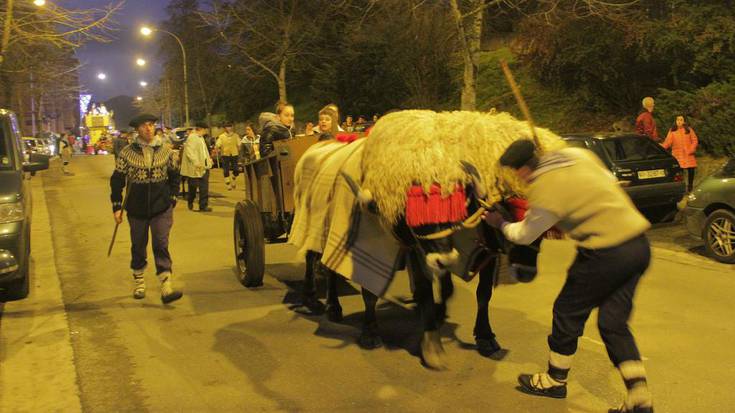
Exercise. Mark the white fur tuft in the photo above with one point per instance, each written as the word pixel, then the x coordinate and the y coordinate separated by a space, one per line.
pixel 365 197
pixel 438 261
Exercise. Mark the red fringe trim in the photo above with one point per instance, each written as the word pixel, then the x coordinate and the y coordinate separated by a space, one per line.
pixel 346 137
pixel 518 207
pixel 423 209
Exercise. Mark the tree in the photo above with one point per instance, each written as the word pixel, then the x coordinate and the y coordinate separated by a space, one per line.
pixel 267 36
pixel 32 35
pixel 469 30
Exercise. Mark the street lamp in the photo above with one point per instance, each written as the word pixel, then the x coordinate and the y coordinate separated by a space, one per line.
pixel 39 3
pixel 143 83
pixel 139 98
pixel 101 76
pixel 147 31
pixel 140 61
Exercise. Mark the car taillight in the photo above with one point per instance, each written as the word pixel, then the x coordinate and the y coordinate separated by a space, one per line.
pixel 678 177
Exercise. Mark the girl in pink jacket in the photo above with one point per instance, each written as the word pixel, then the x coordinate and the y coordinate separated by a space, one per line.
pixel 683 143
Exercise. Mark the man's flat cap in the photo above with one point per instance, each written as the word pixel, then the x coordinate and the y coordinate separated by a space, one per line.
pixel 141 119
pixel 518 153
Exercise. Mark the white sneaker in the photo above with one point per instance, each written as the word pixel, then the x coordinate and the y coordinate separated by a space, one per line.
pixel 168 293
pixel 139 289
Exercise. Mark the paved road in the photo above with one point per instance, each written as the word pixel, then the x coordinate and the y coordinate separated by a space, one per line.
pixel 89 346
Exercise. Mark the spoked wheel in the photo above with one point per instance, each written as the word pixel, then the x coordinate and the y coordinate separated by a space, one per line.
pixel 719 236
pixel 249 244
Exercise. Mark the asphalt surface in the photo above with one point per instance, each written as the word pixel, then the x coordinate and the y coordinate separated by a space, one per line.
pixel 224 348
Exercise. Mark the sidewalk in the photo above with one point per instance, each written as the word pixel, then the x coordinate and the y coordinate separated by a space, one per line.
pixel 37 372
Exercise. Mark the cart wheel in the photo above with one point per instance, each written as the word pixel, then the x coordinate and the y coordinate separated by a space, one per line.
pixel 249 244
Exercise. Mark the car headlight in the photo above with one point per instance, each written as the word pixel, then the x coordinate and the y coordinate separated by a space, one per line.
pixel 11 212
pixel 691 197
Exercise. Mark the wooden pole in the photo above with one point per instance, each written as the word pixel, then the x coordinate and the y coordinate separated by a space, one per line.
pixel 521 102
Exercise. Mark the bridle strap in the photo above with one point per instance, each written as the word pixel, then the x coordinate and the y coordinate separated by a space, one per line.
pixel 471 222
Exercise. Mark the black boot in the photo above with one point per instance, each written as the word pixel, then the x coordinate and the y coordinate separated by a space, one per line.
pixel 541 384
pixel 634 409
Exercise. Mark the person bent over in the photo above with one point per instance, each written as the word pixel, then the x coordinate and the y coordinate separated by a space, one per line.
pixel 148 171
pixel 572 190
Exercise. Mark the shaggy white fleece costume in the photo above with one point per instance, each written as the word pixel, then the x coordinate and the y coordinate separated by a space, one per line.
pixel 404 149
pixel 425 147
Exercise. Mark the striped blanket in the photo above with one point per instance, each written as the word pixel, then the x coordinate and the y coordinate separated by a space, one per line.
pixel 328 219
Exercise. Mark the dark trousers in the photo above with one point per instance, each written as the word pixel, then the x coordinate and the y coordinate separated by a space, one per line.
pixel 604 278
pixel 690 178
pixel 202 185
pixel 229 163
pixel 159 227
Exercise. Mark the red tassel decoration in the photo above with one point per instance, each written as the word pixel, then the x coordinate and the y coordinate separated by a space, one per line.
pixel 346 137
pixel 432 208
pixel 518 207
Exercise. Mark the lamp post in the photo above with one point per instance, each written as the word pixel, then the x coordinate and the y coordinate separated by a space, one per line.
pixel 147 31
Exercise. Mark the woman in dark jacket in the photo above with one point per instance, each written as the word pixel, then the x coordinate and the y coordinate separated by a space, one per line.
pixel 276 129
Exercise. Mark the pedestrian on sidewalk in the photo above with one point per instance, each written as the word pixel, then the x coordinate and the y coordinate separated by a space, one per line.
pixel 228 146
pixel 572 190
pixel 147 170
pixel 66 153
pixel 683 142
pixel 195 166
pixel 645 124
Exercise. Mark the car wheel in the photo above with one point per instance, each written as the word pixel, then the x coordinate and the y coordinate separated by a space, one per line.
pixel 719 236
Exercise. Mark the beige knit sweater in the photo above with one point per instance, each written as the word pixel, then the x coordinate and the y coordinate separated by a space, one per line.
pixel 593 209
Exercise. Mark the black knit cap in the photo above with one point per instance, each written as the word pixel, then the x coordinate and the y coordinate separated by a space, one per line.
pixel 201 125
pixel 518 153
pixel 141 119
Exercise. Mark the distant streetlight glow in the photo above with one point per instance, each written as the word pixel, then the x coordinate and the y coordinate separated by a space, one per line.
pixel 140 62
pixel 138 98
pixel 39 3
pixel 147 31
pixel 101 76
pixel 143 83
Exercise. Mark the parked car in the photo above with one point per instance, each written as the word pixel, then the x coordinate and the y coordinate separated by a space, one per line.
pixel 650 175
pixel 15 207
pixel 710 213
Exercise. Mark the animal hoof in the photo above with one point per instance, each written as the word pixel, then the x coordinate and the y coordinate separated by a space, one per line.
pixel 369 341
pixel 313 305
pixel 487 346
pixel 334 313
pixel 432 351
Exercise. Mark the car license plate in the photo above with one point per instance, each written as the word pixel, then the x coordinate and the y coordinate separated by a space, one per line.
pixel 654 173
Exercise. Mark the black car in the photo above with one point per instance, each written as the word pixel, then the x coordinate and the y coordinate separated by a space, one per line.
pixel 15 208
pixel 650 175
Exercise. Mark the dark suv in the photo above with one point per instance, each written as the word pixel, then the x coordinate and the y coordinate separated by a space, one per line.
pixel 650 175
pixel 15 208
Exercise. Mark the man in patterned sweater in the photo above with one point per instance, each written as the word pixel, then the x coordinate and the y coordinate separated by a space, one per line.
pixel 149 170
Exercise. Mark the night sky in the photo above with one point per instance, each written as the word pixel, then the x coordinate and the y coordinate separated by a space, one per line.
pixel 117 59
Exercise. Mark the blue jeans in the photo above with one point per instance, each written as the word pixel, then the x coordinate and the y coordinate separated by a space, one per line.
pixel 160 228
pixel 202 185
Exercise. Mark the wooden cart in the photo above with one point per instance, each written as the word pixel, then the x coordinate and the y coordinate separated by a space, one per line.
pixel 267 212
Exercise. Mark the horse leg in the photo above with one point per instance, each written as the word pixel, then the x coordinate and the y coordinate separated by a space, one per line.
pixel 432 351
pixel 369 338
pixel 447 290
pixel 334 309
pixel 308 293
pixel 484 336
